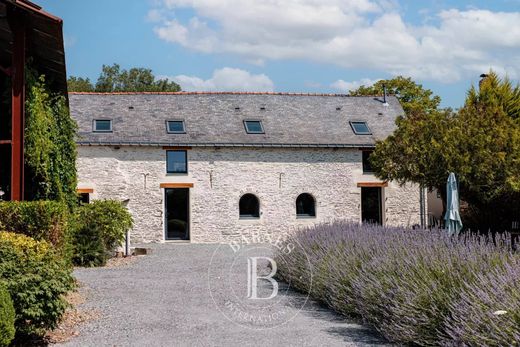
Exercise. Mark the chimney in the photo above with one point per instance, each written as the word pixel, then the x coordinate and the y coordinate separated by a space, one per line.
pixel 385 103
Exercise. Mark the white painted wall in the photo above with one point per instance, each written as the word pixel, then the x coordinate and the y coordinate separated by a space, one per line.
pixel 275 176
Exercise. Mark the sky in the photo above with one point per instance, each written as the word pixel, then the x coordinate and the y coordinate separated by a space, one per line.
pixel 316 46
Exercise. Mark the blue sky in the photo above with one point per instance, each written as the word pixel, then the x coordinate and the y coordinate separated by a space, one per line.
pixel 297 46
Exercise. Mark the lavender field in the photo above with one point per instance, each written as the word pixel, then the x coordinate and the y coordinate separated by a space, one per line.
pixel 413 286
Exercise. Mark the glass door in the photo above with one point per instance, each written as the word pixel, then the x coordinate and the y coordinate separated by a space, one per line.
pixel 177 213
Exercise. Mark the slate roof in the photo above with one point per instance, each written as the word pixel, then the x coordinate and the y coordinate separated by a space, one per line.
pixel 216 119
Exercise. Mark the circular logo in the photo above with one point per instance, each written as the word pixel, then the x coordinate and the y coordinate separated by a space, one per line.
pixel 245 285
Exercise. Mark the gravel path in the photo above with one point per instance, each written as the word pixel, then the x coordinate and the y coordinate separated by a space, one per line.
pixel 163 299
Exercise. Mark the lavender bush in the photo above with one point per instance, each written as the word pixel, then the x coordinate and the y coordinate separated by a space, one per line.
pixel 414 286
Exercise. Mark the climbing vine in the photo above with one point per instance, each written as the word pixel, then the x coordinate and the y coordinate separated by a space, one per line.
pixel 50 150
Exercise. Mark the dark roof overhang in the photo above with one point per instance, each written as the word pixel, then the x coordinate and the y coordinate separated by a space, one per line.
pixel 44 40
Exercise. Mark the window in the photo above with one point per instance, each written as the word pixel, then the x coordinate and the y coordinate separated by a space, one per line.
pixel 175 127
pixel 360 128
pixel 249 207
pixel 305 206
pixel 176 162
pixel 254 127
pixel 103 125
pixel 83 198
pixel 367 167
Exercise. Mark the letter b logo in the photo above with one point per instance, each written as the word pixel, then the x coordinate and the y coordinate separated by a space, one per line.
pixel 252 278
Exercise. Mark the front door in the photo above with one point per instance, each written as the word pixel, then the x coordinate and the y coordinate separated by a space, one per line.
pixel 177 213
pixel 371 205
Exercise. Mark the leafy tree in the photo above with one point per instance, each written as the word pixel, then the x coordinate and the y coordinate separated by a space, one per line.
pixel 79 84
pixel 480 143
pixel 416 152
pixel 115 79
pixel 413 96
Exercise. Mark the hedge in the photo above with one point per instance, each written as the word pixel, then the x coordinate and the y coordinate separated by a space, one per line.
pixel 37 279
pixel 101 226
pixel 413 286
pixel 7 317
pixel 41 220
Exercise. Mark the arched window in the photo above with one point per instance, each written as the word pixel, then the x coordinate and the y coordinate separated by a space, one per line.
pixel 305 206
pixel 249 206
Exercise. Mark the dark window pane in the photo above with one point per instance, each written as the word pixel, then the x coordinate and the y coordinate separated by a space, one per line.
pixel 249 206
pixel 367 167
pixel 371 205
pixel 175 126
pixel 305 206
pixel 254 127
pixel 360 128
pixel 103 125
pixel 84 198
pixel 176 162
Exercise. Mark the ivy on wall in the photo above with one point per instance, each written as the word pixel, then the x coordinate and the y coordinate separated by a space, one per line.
pixel 50 149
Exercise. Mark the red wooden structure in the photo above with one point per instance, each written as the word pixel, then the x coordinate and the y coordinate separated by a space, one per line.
pixel 26 32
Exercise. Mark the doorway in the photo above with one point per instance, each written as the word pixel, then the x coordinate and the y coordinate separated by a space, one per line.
pixel 177 205
pixel 372 205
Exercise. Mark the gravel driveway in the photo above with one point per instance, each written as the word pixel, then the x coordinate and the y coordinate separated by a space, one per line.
pixel 163 299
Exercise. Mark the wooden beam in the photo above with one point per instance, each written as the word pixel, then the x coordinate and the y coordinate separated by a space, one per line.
pixel 373 184
pixel 176 185
pixel 176 148
pixel 85 190
pixel 18 27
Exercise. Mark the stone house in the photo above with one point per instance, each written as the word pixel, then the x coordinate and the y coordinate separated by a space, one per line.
pixel 211 167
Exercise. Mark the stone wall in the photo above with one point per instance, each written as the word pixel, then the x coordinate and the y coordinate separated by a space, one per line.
pixel 220 176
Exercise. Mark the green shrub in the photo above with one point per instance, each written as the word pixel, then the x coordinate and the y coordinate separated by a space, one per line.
pixel 100 227
pixel 41 220
pixel 7 316
pixel 37 278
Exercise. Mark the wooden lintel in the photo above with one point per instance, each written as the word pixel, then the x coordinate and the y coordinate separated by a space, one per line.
pixel 373 184
pixel 168 148
pixel 176 185
pixel 85 190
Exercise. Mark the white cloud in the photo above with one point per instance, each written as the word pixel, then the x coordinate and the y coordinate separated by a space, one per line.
pixel 226 79
pixel 346 87
pixel 367 34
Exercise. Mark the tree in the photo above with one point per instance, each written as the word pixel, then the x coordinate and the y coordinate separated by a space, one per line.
pixel 413 96
pixel 488 135
pixel 480 143
pixel 79 84
pixel 115 79
pixel 414 153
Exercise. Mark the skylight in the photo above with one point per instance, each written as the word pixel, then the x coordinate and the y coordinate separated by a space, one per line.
pixel 360 128
pixel 254 127
pixel 102 125
pixel 175 127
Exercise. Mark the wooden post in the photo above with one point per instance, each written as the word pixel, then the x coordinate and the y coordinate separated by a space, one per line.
pixel 17 24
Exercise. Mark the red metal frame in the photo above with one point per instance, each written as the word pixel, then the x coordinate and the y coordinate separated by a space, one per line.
pixel 17 23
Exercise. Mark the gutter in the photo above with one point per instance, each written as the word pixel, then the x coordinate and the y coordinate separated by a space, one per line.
pixel 254 145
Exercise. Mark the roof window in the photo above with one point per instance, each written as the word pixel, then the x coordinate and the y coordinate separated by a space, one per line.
pixel 175 127
pixel 360 128
pixel 254 127
pixel 102 126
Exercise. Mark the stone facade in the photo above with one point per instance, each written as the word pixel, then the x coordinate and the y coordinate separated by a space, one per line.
pixel 220 176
